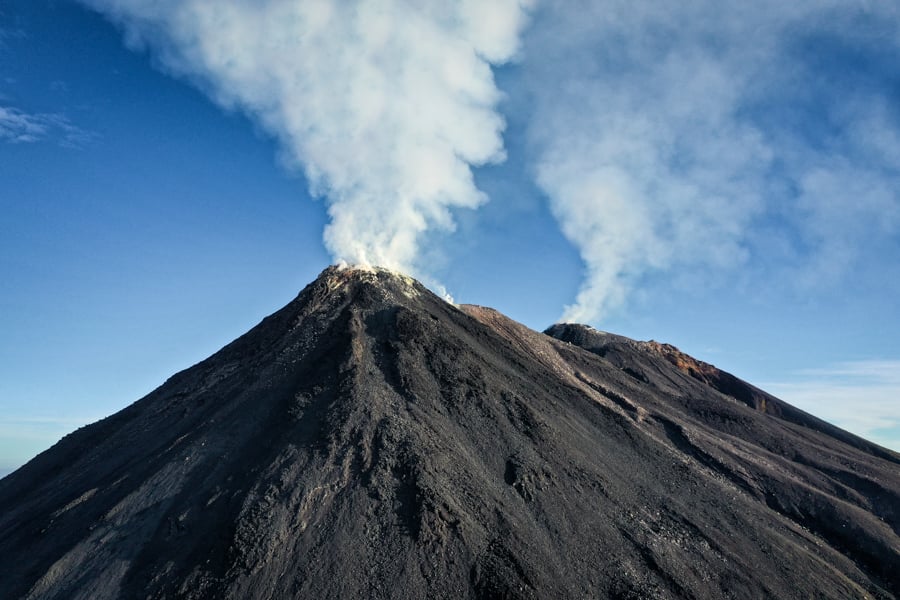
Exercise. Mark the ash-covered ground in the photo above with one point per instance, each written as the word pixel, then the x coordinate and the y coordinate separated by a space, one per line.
pixel 370 440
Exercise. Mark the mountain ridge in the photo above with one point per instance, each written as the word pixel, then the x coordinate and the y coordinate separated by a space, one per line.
pixel 603 344
pixel 369 432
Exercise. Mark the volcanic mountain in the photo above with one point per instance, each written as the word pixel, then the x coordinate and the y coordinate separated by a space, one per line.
pixel 370 440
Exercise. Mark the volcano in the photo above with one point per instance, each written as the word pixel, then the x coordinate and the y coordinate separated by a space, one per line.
pixel 370 440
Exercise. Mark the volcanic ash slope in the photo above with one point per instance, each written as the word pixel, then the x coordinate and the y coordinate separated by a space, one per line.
pixel 370 440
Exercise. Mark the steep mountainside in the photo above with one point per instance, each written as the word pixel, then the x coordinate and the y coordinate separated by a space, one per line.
pixel 370 440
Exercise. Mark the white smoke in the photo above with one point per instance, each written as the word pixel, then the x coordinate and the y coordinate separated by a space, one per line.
pixel 662 133
pixel 666 136
pixel 385 104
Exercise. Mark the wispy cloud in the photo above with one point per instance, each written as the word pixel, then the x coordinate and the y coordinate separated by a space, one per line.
pixel 861 397
pixel 688 136
pixel 19 127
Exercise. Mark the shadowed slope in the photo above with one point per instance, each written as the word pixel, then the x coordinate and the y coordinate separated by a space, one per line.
pixel 371 440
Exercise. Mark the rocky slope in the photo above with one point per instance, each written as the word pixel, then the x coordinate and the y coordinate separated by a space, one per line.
pixel 370 440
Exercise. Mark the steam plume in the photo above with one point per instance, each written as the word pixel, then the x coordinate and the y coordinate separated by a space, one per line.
pixel 688 137
pixel 385 104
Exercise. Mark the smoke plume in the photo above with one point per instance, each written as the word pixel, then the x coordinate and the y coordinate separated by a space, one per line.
pixel 670 138
pixel 385 104
pixel 692 137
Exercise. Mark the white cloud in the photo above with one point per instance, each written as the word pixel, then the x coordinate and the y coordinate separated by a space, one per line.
pixel 861 397
pixel 660 141
pixel 386 104
pixel 19 127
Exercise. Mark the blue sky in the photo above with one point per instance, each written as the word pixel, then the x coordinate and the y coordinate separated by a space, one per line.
pixel 719 177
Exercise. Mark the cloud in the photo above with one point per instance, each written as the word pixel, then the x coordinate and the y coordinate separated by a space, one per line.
pixel 672 138
pixel 385 104
pixel 19 127
pixel 860 397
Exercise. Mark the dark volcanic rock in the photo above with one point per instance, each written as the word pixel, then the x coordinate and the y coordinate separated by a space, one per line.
pixel 372 441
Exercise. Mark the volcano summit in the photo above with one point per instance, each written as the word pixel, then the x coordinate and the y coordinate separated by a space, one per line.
pixel 370 440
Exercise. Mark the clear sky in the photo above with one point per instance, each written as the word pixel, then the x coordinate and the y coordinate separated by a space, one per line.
pixel 722 177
